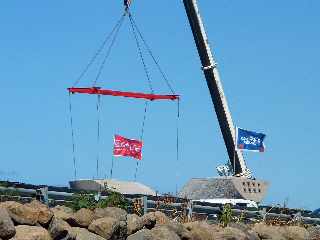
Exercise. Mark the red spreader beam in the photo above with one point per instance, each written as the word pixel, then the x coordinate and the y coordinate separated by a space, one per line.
pixel 96 90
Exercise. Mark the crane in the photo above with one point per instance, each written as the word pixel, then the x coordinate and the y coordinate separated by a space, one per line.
pixel 241 185
pixel 211 73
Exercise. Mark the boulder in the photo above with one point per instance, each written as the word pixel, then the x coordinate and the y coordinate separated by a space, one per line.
pixel 81 218
pixel 294 232
pixel 25 232
pixel 202 230
pixel 62 212
pixel 21 214
pixel 230 233
pixel 241 226
pixel 134 223
pixel 109 228
pixel 251 235
pixel 268 232
pixel 58 228
pixel 44 213
pixel 7 229
pixel 180 230
pixel 144 234
pixel 161 218
pixel 114 212
pixel 314 233
pixel 152 218
pixel 162 232
pixel 149 220
pixel 76 233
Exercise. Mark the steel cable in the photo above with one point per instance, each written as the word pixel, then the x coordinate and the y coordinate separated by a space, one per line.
pixel 108 52
pixel 98 52
pixel 73 139
pixel 140 54
pixel 98 135
pixel 152 55
pixel 141 135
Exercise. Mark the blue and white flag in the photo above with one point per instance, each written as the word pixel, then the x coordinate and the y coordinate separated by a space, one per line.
pixel 249 140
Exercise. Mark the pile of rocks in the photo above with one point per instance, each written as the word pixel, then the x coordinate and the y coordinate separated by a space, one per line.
pixel 35 221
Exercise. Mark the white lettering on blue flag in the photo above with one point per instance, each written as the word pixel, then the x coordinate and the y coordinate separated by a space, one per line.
pixel 249 140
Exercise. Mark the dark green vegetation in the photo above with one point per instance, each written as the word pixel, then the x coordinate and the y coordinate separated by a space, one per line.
pixel 84 200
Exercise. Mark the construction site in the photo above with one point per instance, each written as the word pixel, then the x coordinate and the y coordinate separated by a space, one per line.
pixel 200 196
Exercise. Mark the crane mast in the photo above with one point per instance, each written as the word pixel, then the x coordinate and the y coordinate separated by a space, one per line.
pixel 209 67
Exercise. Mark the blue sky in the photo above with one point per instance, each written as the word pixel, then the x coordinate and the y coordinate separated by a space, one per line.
pixel 267 54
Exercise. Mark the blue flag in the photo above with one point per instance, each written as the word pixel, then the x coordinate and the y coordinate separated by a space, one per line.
pixel 249 140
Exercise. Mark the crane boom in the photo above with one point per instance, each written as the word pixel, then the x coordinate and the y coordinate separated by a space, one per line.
pixel 211 73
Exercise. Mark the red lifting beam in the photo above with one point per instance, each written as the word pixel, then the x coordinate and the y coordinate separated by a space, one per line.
pixel 97 90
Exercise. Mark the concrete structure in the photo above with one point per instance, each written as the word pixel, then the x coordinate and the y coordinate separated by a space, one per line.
pixel 224 187
pixel 124 187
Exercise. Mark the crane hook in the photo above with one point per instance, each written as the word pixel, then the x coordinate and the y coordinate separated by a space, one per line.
pixel 127 4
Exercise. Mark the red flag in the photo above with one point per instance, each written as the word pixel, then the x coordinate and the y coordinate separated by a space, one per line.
pixel 127 147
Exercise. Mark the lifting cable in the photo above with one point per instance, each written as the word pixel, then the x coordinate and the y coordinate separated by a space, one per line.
pixel 177 144
pixel 141 54
pixel 149 83
pixel 141 135
pixel 98 133
pixel 151 54
pixel 136 30
pixel 73 139
pixel 116 33
pixel 100 49
pixel 113 33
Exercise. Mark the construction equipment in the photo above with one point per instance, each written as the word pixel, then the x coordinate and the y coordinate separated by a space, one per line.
pixel 241 183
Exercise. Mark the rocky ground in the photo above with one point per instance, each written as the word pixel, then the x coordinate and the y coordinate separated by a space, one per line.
pixel 35 221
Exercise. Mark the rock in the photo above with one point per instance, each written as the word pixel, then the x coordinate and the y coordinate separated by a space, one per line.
pixel 202 230
pixel 7 229
pixel 149 220
pixel 294 232
pixel 21 214
pixel 25 232
pixel 82 234
pixel 144 234
pixel 161 218
pixel 314 233
pixel 134 223
pixel 81 218
pixel 152 218
pixel 251 235
pixel 44 213
pixel 268 232
pixel 109 228
pixel 162 232
pixel 114 212
pixel 62 212
pixel 180 230
pixel 58 228
pixel 241 226
pixel 229 233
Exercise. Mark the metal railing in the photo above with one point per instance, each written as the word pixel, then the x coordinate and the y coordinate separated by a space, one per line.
pixel 150 203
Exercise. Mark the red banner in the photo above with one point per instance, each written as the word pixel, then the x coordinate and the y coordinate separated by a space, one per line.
pixel 127 147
